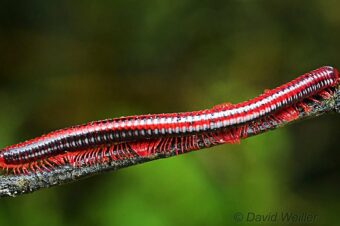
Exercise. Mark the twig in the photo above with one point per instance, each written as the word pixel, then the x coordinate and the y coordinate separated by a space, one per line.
pixel 14 185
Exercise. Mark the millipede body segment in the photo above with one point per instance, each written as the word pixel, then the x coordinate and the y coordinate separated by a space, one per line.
pixel 125 137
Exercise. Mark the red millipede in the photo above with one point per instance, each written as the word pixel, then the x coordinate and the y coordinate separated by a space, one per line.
pixel 127 137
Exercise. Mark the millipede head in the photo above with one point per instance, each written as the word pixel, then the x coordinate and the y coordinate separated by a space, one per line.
pixel 3 164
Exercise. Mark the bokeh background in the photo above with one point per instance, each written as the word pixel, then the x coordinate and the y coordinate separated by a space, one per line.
pixel 68 62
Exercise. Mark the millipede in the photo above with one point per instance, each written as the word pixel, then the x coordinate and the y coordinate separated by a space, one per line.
pixel 144 135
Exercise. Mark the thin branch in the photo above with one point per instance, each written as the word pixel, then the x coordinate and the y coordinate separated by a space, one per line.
pixel 14 185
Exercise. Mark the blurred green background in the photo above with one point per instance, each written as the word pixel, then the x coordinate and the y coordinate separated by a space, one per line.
pixel 68 62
